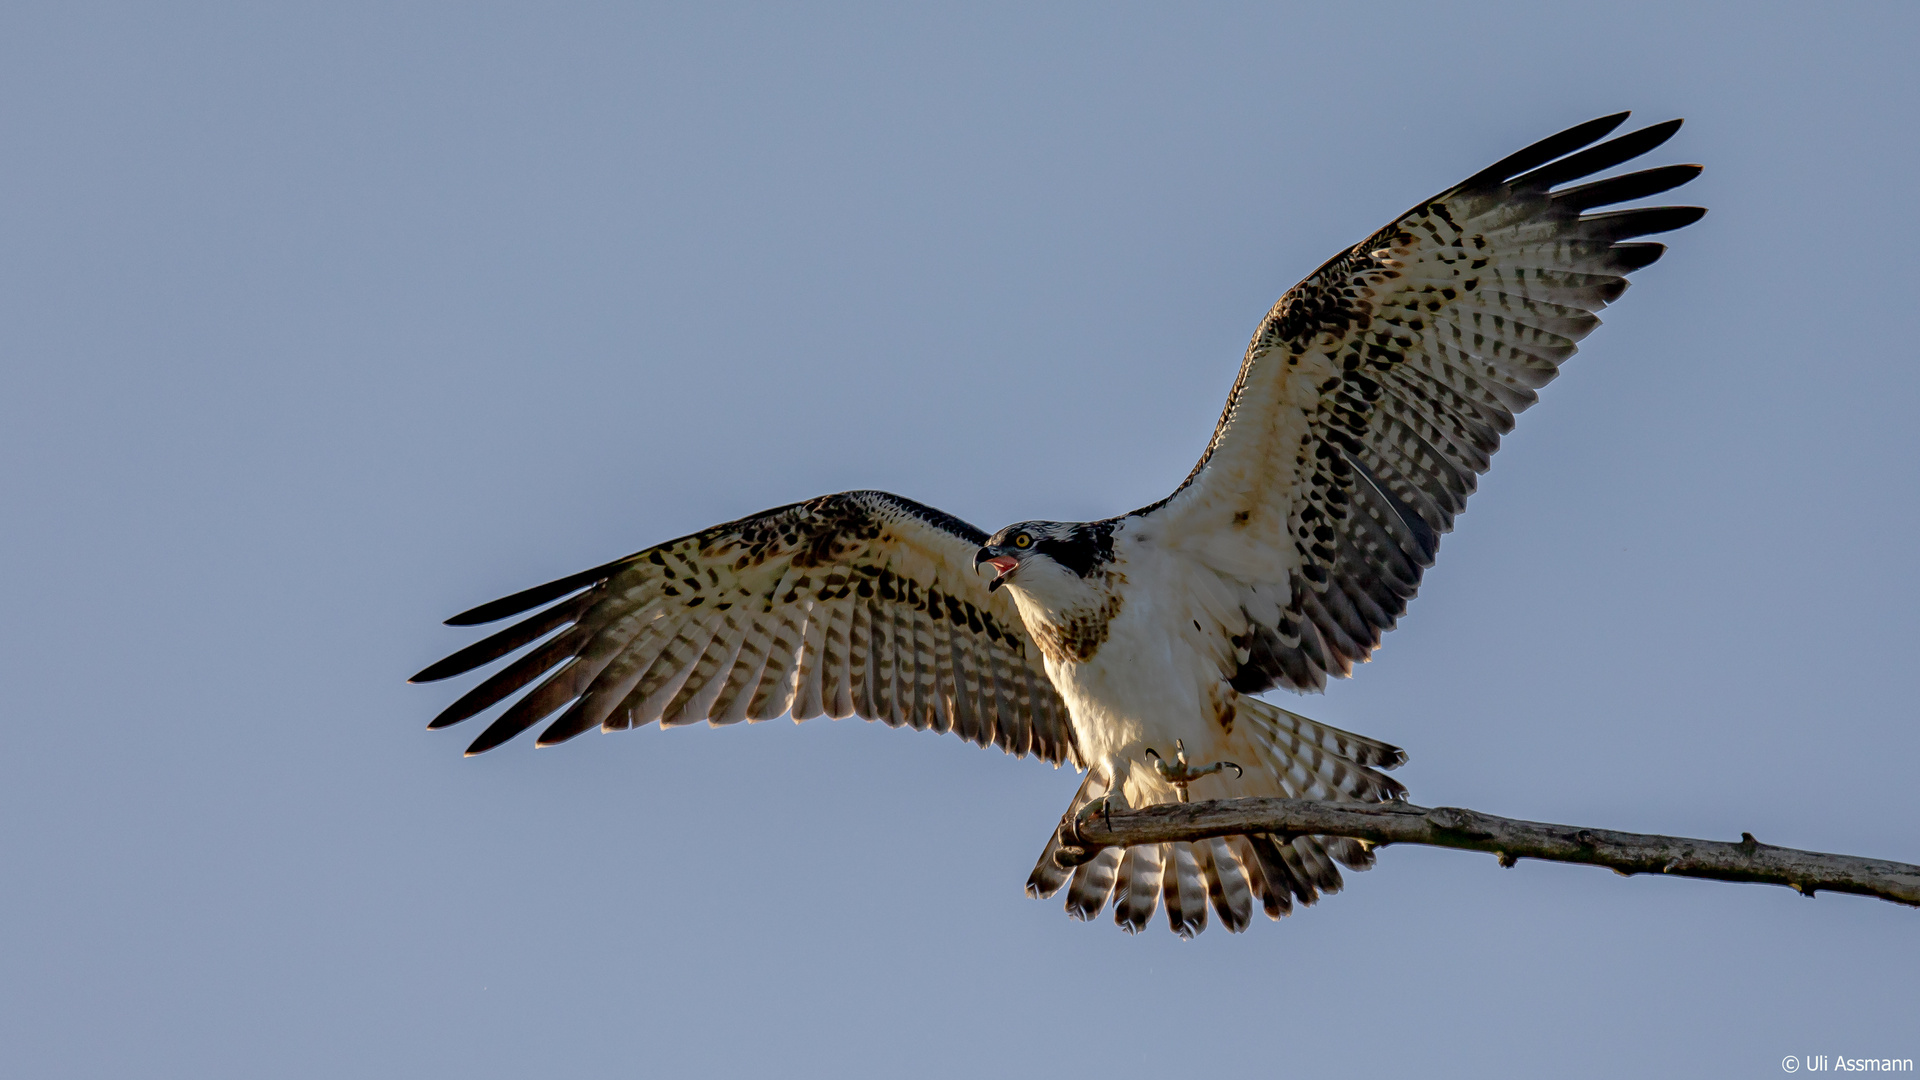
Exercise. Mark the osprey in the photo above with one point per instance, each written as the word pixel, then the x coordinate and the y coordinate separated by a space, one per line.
pixel 1371 398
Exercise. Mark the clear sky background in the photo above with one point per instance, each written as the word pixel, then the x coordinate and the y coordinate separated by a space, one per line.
pixel 322 323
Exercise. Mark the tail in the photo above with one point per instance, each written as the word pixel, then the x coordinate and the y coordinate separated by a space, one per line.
pixel 1282 754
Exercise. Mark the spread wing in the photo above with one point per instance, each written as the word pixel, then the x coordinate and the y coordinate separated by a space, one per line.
pixel 1375 392
pixel 858 604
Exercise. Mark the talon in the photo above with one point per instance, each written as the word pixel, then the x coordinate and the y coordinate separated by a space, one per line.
pixel 1207 770
pixel 1072 849
pixel 1102 806
pixel 1180 774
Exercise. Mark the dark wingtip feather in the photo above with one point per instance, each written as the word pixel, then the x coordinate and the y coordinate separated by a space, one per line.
pixel 571 723
pixel 1623 224
pixel 502 684
pixel 494 610
pixel 1614 226
pixel 1631 257
pixel 1595 158
pixel 473 656
pixel 1617 189
pixel 453 714
pixel 500 731
pixel 1547 149
pixel 492 648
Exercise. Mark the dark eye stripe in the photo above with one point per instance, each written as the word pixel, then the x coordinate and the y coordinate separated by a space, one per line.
pixel 1085 548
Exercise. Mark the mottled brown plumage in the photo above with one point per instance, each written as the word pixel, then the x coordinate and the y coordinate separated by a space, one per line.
pixel 1405 359
pixel 1077 635
pixel 855 604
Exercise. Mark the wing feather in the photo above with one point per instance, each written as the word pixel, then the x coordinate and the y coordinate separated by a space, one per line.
pixel 861 603
pixel 715 672
pixel 810 689
pixel 679 665
pixel 773 688
pixel 1376 392
pixel 860 666
pixel 504 683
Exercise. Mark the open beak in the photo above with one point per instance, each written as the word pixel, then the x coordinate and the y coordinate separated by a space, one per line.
pixel 1002 566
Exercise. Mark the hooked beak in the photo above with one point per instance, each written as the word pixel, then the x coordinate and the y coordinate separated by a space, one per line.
pixel 1002 566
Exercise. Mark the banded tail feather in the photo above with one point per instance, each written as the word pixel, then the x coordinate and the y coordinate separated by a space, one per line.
pixel 1297 758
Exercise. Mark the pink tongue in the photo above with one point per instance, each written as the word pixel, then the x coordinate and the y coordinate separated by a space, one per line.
pixel 1004 564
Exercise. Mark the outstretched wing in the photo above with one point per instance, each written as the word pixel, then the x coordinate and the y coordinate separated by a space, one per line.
pixel 1375 392
pixel 858 604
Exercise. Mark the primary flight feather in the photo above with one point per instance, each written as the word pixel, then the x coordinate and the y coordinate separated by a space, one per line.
pixel 1372 396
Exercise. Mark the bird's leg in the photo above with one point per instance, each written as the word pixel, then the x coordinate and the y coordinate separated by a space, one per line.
pixel 1180 774
pixel 1104 804
pixel 1075 848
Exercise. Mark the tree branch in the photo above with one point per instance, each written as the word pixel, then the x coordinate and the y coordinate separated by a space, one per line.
pixel 1512 840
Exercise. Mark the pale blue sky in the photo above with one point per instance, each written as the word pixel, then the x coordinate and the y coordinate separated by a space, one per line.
pixel 321 323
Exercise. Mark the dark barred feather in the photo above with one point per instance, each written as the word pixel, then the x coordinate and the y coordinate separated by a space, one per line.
pixel 862 604
pixel 1299 758
pixel 1423 340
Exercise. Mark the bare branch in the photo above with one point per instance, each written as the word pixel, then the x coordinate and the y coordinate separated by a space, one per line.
pixel 1446 826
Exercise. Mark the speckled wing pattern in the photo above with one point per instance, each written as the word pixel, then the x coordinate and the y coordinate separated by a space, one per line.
pixel 1375 392
pixel 858 604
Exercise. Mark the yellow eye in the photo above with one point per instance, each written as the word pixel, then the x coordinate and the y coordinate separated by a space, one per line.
pixel 1022 541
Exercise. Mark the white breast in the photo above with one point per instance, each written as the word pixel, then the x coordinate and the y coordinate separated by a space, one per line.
pixel 1158 677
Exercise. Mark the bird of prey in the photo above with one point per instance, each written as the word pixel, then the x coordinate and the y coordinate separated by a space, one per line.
pixel 1371 398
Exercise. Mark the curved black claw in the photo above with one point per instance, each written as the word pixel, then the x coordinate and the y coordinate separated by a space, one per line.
pixel 1180 774
pixel 1070 848
pixel 1102 806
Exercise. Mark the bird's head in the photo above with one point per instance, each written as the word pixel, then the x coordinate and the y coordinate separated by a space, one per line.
pixel 1035 551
